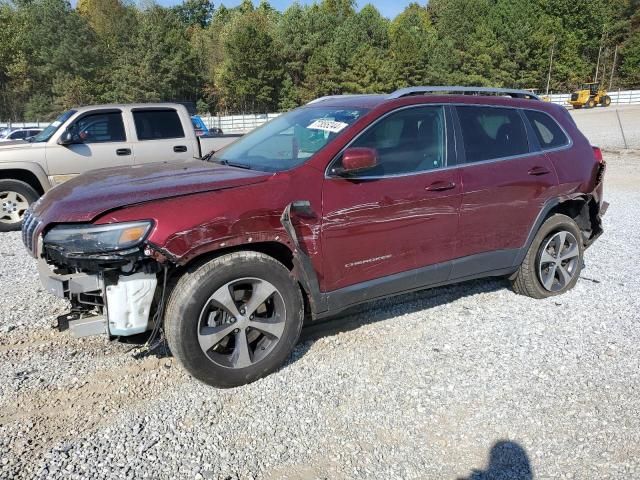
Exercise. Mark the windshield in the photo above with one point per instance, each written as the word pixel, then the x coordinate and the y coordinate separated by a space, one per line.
pixel 289 140
pixel 48 132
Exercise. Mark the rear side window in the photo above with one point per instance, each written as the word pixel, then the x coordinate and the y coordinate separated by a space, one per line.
pixel 157 124
pixel 490 133
pixel 547 130
pixel 18 135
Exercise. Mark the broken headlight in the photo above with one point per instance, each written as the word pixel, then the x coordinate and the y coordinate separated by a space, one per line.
pixel 97 238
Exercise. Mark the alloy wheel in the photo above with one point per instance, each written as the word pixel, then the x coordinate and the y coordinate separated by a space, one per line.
pixel 12 207
pixel 241 323
pixel 559 261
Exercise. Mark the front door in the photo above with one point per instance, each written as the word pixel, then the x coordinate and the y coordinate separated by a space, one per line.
pixel 398 216
pixel 100 141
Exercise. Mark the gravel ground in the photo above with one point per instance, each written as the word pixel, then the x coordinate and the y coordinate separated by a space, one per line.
pixel 424 386
pixel 610 127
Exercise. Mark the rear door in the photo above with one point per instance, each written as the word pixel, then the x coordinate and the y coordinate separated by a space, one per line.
pixel 402 214
pixel 101 141
pixel 505 185
pixel 160 136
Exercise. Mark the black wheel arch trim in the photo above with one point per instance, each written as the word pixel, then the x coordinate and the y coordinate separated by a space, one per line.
pixel 542 216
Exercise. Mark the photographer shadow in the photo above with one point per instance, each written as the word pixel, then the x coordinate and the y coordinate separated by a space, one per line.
pixel 507 461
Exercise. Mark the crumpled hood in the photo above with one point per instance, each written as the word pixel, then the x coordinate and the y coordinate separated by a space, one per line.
pixel 86 196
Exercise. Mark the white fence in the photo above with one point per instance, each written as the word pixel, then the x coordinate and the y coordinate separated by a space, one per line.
pixel 228 123
pixel 247 122
pixel 618 97
pixel 238 123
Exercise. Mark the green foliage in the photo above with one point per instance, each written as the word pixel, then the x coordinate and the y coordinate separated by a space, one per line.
pixel 251 74
pixel 413 39
pixel 195 12
pixel 630 68
pixel 249 58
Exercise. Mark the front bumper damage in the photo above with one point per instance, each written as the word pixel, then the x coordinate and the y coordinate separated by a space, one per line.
pixel 109 302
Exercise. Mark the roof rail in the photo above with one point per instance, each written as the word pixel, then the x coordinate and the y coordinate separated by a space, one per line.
pixel 329 97
pixel 406 92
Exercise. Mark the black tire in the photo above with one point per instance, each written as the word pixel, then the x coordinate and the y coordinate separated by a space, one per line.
pixel 606 101
pixel 9 207
pixel 590 103
pixel 194 292
pixel 528 278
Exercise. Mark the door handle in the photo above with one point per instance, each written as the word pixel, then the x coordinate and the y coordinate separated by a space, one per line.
pixel 179 148
pixel 440 186
pixel 123 151
pixel 535 171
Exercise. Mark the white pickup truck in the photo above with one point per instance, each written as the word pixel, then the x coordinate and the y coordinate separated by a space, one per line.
pixel 94 137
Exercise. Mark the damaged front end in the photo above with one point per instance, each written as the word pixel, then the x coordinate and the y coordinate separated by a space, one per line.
pixel 104 272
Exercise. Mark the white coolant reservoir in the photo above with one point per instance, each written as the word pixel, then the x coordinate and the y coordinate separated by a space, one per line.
pixel 129 304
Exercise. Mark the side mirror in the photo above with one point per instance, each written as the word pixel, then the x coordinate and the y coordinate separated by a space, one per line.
pixel 68 137
pixel 358 159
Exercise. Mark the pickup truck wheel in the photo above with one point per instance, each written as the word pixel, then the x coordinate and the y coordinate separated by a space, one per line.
pixel 234 319
pixel 554 260
pixel 15 198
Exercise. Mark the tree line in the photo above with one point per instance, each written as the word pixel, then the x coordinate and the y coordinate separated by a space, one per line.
pixel 256 59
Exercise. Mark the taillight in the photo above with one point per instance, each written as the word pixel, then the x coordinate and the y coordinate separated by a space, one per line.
pixel 597 153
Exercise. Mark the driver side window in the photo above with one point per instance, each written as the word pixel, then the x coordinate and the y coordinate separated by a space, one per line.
pixel 100 127
pixel 411 140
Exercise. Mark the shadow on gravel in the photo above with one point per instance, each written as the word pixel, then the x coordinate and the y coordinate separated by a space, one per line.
pixel 145 347
pixel 350 319
pixel 507 461
pixel 380 310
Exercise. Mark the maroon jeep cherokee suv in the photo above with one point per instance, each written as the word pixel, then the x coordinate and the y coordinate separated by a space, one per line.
pixel 347 199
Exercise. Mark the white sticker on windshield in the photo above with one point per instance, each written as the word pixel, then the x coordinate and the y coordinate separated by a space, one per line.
pixel 56 123
pixel 328 126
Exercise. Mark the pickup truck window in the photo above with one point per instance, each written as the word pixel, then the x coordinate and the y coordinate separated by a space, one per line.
pixel 290 139
pixel 101 127
pixel 157 124
pixel 48 132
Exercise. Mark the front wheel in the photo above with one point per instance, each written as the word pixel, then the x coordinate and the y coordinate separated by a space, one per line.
pixel 15 198
pixel 553 262
pixel 234 319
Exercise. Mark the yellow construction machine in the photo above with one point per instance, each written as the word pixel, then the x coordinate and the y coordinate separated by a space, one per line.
pixel 589 96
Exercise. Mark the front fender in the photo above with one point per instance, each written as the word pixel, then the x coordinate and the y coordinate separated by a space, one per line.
pixel 31 167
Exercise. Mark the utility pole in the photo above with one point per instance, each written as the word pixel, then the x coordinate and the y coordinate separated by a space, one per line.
pixel 550 65
pixel 613 66
pixel 599 52
pixel 598 63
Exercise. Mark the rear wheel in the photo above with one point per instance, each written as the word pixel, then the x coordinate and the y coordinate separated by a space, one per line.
pixel 591 103
pixel 554 260
pixel 234 319
pixel 606 101
pixel 15 198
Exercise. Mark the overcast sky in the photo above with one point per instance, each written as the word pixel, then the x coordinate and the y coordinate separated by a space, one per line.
pixel 389 8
